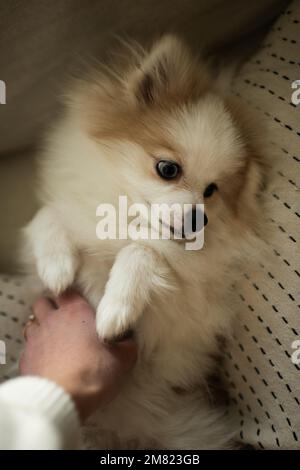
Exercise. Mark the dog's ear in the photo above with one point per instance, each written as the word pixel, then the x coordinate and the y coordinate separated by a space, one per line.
pixel 167 70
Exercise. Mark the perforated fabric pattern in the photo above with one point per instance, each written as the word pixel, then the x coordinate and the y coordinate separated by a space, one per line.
pixel 263 367
pixel 14 310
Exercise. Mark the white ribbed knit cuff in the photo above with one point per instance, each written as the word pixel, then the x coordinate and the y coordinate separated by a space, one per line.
pixel 42 396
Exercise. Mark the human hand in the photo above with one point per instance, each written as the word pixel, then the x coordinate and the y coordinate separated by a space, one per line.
pixel 62 345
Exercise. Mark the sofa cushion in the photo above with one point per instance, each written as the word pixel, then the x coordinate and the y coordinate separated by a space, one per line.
pixel 263 366
pixel 43 45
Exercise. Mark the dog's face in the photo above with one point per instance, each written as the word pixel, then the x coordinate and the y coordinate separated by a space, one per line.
pixel 177 139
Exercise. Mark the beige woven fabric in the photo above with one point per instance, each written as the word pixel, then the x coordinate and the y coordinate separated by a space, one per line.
pixel 42 43
pixel 14 311
pixel 265 383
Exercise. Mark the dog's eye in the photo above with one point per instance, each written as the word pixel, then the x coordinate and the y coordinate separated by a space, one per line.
pixel 167 170
pixel 210 189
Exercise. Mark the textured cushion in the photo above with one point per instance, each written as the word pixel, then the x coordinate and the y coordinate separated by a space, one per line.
pixel 17 195
pixel 14 310
pixel 265 383
pixel 42 45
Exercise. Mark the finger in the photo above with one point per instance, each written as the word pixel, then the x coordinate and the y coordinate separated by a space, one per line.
pixel 69 298
pixel 42 308
pixel 24 366
pixel 30 328
pixel 22 362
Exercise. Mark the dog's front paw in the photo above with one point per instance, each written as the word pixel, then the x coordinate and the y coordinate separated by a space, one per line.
pixel 113 318
pixel 57 271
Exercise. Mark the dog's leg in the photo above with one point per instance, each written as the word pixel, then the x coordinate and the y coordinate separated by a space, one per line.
pixel 49 245
pixel 137 271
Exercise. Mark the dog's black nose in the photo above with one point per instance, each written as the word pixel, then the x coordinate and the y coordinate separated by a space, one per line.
pixel 194 221
pixel 197 220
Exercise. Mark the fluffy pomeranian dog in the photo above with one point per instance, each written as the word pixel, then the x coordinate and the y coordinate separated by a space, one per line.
pixel 157 129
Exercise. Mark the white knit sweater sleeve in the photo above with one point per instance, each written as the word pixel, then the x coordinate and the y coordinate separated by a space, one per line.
pixel 35 413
